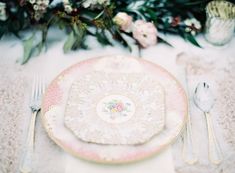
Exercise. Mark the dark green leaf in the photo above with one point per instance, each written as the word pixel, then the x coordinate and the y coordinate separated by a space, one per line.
pixel 75 39
pixel 84 46
pixel 28 48
pixel 3 29
pixel 123 41
pixel 37 49
pixel 101 37
pixel 118 37
pixel 152 14
pixel 79 34
pixel 191 39
pixel 161 40
pixel 69 42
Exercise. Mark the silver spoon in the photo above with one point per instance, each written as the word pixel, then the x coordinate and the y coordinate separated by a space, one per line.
pixel 204 100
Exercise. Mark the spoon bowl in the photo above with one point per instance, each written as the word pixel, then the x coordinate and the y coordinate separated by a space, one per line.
pixel 203 97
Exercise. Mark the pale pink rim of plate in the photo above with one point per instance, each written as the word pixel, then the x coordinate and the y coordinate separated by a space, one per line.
pixel 140 158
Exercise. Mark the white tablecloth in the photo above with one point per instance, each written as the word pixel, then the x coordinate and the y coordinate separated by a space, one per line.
pixel 212 64
pixel 161 163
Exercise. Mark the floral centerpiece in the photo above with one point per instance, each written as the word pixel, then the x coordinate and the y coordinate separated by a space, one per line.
pixel 104 19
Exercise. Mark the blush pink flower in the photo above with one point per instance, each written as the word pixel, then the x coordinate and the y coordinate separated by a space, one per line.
pixel 124 21
pixel 145 33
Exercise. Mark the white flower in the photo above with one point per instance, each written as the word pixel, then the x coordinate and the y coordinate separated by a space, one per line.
pixel 40 7
pixel 68 8
pixel 3 15
pixel 194 22
pixel 89 3
pixel 37 16
pixel 192 26
pixel 136 5
pixel 145 33
pixel 35 7
pixel 46 1
pixel 32 1
pixel 124 21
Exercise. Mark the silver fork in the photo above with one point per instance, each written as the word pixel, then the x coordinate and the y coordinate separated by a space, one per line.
pixel 38 89
pixel 188 152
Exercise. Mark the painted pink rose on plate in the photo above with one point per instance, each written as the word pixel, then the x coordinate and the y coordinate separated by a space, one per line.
pixel 120 107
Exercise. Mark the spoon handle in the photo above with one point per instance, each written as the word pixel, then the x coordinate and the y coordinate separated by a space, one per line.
pixel 189 155
pixel 215 153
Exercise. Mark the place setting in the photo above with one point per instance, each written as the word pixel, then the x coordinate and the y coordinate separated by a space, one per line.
pixel 118 110
pixel 117 86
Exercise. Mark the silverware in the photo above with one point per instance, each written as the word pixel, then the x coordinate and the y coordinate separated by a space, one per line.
pixel 35 105
pixel 204 100
pixel 188 153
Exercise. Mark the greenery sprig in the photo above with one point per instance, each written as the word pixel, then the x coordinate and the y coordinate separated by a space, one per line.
pixel 106 20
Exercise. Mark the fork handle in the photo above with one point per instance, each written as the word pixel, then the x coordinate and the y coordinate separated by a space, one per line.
pixel 188 152
pixel 26 162
pixel 215 153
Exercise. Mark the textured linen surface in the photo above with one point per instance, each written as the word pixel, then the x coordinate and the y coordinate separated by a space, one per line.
pixel 213 65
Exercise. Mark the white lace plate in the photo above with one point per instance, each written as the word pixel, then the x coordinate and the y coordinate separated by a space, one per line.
pixel 56 100
pixel 115 108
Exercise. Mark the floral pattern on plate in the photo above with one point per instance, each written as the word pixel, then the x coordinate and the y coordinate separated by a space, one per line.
pixel 115 108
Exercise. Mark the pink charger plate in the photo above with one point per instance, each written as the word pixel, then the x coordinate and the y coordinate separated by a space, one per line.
pixel 54 103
